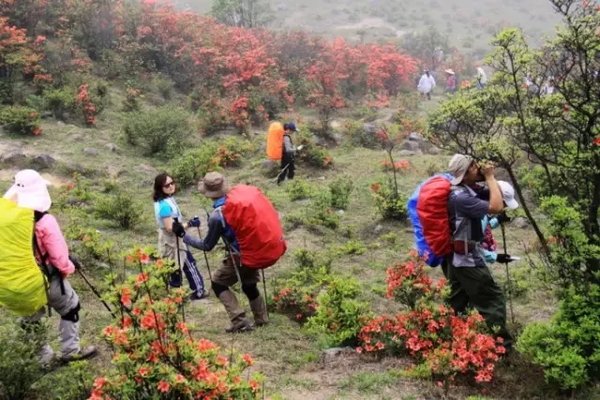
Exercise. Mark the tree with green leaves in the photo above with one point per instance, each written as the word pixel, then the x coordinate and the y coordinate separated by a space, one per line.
pixel 547 140
pixel 242 13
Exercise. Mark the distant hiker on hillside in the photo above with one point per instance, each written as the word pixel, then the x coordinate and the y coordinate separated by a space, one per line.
pixel 426 84
pixel 231 208
pixel 450 81
pixel 52 254
pixel 166 212
pixel 288 155
pixel 481 78
pixel 471 282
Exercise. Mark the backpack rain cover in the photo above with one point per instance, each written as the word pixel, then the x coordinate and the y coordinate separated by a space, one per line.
pixel 22 287
pixel 275 141
pixel 256 225
pixel 428 212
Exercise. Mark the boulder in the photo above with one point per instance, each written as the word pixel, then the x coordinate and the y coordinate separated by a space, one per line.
pixel 408 153
pixel 411 145
pixel 14 158
pixel 90 151
pixel 42 161
pixel 331 355
pixel 520 222
pixel 111 147
pixel 415 137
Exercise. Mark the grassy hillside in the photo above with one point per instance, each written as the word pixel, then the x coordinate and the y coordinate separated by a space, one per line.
pixel 467 24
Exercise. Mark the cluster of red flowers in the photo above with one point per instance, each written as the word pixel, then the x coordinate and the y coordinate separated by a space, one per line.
pixel 293 302
pixel 430 332
pixel 401 165
pixel 84 101
pixel 154 352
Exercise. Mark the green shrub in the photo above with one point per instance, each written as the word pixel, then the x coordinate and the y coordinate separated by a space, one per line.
pixel 21 120
pixel 311 260
pixel 391 205
pixel 164 87
pixel 340 193
pixel 313 154
pixel 72 382
pixel 568 347
pixel 359 136
pixel 120 208
pixel 160 131
pixel 59 101
pixel 298 189
pixel 19 364
pixel 339 316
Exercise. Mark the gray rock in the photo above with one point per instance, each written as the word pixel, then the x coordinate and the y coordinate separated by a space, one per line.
pixel 330 355
pixel 14 158
pixel 432 150
pixel 60 123
pixel 42 161
pixel 408 153
pixel 520 222
pixel 370 129
pixel 411 145
pixel 340 212
pixel 46 114
pixel 90 151
pixel 112 147
pixel 415 137
pixel 378 228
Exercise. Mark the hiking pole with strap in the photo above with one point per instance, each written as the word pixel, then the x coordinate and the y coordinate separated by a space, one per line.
pixel 281 172
pixel 509 285
pixel 262 272
pixel 93 289
pixel 177 254
pixel 204 251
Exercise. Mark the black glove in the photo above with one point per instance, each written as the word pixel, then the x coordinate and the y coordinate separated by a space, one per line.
pixel 178 229
pixel 502 218
pixel 195 222
pixel 503 258
pixel 75 262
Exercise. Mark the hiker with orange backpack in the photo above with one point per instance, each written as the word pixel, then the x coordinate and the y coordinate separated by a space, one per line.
pixel 249 225
pixel 52 255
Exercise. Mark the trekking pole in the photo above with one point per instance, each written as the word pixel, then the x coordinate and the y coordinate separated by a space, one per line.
pixel 177 254
pixel 204 251
pixel 262 272
pixel 281 172
pixel 509 285
pixel 86 280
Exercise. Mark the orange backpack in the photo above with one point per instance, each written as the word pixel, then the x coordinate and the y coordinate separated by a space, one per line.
pixel 275 141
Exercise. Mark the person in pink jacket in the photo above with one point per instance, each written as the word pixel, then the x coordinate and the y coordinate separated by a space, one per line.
pixel 52 254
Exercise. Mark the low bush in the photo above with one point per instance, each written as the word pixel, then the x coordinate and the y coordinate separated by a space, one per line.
pixel 389 203
pixel 21 120
pixel 71 382
pixel 162 131
pixel 339 315
pixel 360 135
pixel 311 153
pixel 340 193
pixel 299 189
pixel 59 101
pixel 19 364
pixel 567 347
pixel 120 208
pixel 155 355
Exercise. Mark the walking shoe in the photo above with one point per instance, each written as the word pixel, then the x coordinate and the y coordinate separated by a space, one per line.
pixel 195 296
pixel 242 325
pixel 82 354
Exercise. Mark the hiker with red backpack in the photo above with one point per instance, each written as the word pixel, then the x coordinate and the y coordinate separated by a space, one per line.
pixel 249 225
pixel 471 283
pixel 52 255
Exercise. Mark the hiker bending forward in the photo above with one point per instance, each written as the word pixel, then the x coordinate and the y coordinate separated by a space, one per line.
pixel 214 186
pixel 52 254
pixel 471 283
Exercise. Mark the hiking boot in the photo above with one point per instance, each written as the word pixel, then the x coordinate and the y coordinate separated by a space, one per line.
pixel 82 354
pixel 259 310
pixel 239 326
pixel 195 296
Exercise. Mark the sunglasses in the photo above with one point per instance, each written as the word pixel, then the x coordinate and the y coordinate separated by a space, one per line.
pixel 166 185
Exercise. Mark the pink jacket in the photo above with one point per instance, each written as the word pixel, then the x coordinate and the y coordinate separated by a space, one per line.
pixel 52 244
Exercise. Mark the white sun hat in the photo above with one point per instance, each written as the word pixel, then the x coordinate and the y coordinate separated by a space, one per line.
pixel 508 195
pixel 30 190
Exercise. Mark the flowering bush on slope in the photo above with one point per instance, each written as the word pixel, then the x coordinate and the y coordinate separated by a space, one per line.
pixel 155 355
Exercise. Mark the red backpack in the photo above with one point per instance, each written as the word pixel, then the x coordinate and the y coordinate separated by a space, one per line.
pixel 256 225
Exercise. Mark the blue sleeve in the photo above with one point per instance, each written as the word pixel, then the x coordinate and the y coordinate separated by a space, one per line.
pixel 164 210
pixel 215 230
pixel 471 206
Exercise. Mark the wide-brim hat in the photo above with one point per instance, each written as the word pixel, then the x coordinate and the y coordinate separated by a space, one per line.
pixel 449 71
pixel 213 185
pixel 30 190
pixel 508 195
pixel 458 166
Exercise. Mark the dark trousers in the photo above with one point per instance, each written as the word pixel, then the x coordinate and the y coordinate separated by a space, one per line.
pixel 288 169
pixel 475 287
